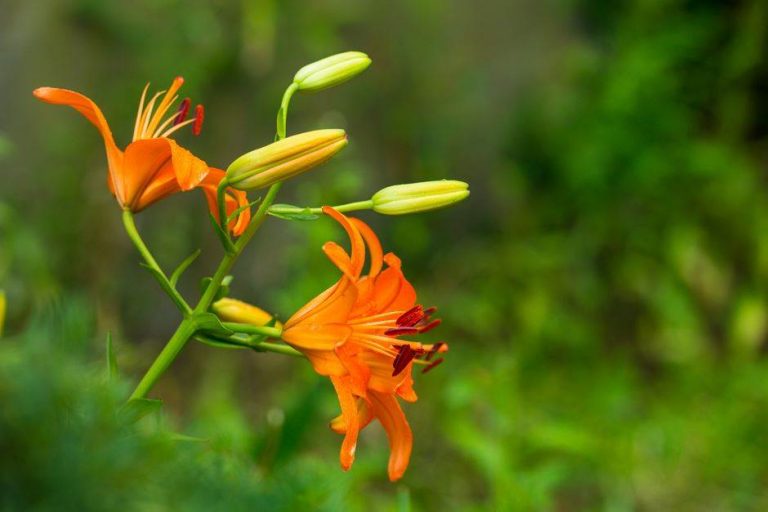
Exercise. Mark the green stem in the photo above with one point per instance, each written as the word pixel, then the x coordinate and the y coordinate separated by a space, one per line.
pixel 185 331
pixel 221 200
pixel 272 332
pixel 343 208
pixel 133 234
pixel 188 327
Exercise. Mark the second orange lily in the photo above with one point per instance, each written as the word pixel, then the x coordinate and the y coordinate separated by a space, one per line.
pixel 153 166
pixel 351 333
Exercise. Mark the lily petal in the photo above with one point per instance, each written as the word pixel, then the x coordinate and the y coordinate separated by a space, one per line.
pixel 349 413
pixel 388 411
pixel 92 113
pixel 234 200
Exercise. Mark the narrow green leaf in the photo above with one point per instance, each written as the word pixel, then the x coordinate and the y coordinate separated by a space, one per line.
pixel 111 358
pixel 210 323
pixel 226 242
pixel 138 408
pixel 184 265
pixel 237 212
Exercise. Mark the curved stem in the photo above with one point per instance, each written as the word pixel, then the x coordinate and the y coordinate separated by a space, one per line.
pixel 343 208
pixel 185 331
pixel 187 328
pixel 151 263
pixel 221 199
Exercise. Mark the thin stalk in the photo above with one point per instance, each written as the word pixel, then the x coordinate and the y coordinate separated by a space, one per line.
pixel 343 208
pixel 272 332
pixel 187 328
pixel 165 283
pixel 185 331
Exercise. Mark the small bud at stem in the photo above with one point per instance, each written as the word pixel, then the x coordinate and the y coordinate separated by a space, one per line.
pixel 419 197
pixel 284 159
pixel 331 71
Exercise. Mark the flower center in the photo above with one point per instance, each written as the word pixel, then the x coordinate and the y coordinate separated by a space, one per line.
pixel 379 332
pixel 153 120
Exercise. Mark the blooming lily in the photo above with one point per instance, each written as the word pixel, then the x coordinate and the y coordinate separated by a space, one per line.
pixel 153 166
pixel 351 333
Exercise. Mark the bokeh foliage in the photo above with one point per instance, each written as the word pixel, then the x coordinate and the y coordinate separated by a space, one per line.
pixel 603 289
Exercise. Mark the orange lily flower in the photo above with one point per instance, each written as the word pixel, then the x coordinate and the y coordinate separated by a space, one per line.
pixel 351 332
pixel 153 166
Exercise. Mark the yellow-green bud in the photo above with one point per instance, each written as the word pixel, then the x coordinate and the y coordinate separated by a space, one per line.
pixel 331 71
pixel 285 158
pixel 419 197
pixel 233 310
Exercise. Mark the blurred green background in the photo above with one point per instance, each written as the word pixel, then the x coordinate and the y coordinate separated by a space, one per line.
pixel 603 290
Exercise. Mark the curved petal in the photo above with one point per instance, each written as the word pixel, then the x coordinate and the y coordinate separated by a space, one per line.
pixel 234 199
pixel 357 251
pixel 388 411
pixel 364 417
pixel 349 413
pixel 374 246
pixel 340 258
pixel 359 373
pixel 190 170
pixel 92 113
pixel 330 307
pixel 146 161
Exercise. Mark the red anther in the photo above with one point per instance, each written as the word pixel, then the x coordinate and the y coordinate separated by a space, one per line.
pixel 411 317
pixel 404 357
pixel 400 331
pixel 429 311
pixel 432 365
pixel 431 325
pixel 183 111
pixel 435 349
pixel 199 116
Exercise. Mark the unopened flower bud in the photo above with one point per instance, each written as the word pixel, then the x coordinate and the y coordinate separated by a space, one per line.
pixel 233 310
pixel 419 197
pixel 285 158
pixel 331 71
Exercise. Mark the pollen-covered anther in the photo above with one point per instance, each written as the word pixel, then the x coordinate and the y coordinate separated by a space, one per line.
pixel 411 317
pixel 432 365
pixel 405 355
pixel 401 331
pixel 428 327
pixel 435 349
pixel 183 111
pixel 199 118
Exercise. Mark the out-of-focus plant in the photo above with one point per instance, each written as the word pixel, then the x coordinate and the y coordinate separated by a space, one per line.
pixel 353 332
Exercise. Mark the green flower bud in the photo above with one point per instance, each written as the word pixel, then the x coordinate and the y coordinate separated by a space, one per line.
pixel 284 159
pixel 419 197
pixel 331 71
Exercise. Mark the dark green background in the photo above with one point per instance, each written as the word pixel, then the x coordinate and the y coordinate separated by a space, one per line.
pixel 603 289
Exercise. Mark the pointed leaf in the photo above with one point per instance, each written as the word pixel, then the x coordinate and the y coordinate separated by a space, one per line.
pixel 184 265
pixel 237 212
pixel 210 323
pixel 226 242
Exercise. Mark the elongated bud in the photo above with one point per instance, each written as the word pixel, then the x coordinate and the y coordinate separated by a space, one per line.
pixel 419 197
pixel 331 71
pixel 285 158
pixel 233 310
